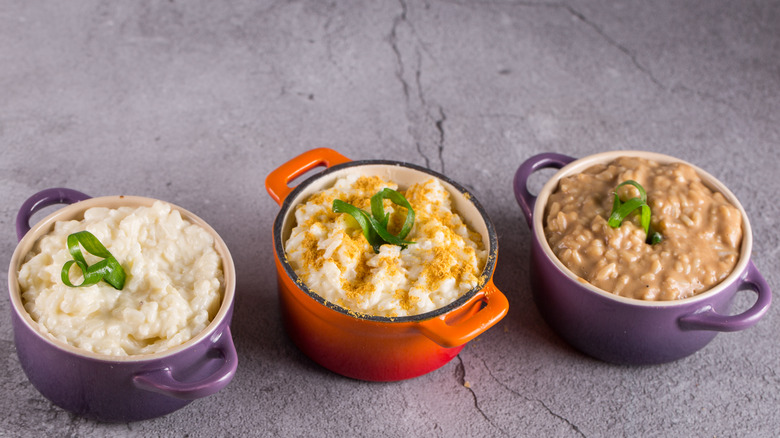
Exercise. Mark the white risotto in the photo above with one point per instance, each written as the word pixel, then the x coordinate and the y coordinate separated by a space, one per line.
pixel 172 291
pixel 330 254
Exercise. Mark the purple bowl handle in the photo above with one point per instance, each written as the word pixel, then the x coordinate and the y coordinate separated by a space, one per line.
pixel 529 166
pixel 162 381
pixel 708 319
pixel 42 199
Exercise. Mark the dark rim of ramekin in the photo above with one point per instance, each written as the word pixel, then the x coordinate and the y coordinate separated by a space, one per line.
pixel 287 206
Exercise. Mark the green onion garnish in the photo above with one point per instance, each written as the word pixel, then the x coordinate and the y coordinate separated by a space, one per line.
pixel 378 209
pixel 375 227
pixel 107 269
pixel 621 210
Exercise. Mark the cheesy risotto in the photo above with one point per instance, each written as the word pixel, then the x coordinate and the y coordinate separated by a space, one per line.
pixel 329 252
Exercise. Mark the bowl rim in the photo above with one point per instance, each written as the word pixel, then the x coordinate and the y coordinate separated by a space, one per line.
pixel 581 164
pixel 213 330
pixel 287 208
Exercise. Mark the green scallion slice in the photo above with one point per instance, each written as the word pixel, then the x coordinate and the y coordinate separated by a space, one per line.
pixel 107 269
pixel 375 227
pixel 621 210
pixel 378 210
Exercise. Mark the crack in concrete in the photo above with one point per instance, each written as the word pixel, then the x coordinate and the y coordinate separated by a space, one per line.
pixel 420 113
pixel 422 154
pixel 438 122
pixel 399 73
pixel 580 16
pixel 460 372
pixel 568 422
pixel 440 127
pixel 562 418
pixel 632 56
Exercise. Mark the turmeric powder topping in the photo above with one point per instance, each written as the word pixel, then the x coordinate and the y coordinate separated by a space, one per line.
pixel 331 253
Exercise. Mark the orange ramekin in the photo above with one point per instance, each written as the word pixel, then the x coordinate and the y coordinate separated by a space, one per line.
pixel 367 347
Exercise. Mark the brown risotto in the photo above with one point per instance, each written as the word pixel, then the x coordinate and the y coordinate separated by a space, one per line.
pixel 702 231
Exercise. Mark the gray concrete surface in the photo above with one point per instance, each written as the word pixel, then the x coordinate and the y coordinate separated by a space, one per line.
pixel 196 102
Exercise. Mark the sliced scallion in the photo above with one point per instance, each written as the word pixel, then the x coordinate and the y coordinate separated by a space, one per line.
pixel 621 210
pixel 378 209
pixel 107 269
pixel 375 227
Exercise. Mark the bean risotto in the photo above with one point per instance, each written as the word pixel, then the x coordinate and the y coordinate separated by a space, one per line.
pixel 702 231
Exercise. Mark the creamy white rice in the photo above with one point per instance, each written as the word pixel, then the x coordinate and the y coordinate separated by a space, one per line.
pixel 330 254
pixel 172 291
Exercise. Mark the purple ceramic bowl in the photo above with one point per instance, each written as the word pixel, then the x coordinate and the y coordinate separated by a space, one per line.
pixel 112 388
pixel 626 330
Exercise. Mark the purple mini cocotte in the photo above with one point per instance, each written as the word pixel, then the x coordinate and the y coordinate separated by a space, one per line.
pixel 626 330
pixel 108 388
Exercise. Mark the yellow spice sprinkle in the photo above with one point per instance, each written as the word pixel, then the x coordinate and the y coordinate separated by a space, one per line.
pixel 312 256
pixel 361 285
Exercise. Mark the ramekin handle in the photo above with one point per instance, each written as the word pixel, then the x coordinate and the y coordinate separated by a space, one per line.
pixel 162 381
pixel 708 319
pixel 43 199
pixel 529 166
pixel 276 181
pixel 448 336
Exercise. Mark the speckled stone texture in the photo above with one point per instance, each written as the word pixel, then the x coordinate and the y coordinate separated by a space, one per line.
pixel 196 102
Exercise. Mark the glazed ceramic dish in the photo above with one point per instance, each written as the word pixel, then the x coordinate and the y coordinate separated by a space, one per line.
pixel 118 388
pixel 372 347
pixel 626 330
